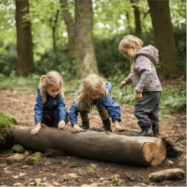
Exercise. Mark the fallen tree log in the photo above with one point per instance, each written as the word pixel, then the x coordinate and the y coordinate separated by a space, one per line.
pixel 103 146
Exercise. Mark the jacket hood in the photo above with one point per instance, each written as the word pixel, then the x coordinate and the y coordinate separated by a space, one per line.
pixel 150 52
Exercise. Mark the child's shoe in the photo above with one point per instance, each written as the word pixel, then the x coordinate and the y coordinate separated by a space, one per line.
pixel 107 125
pixel 85 125
pixel 155 129
pixel 146 131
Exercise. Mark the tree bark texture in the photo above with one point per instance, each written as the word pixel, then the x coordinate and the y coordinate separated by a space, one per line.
pixel 137 17
pixel 103 146
pixel 164 37
pixel 24 39
pixel 70 25
pixel 54 27
pixel 85 53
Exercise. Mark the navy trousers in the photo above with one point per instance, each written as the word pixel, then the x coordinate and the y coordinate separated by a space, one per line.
pixel 146 111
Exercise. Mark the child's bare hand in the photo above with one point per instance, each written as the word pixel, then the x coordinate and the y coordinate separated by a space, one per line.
pixel 117 126
pixel 61 124
pixel 76 127
pixel 139 96
pixel 36 129
pixel 122 84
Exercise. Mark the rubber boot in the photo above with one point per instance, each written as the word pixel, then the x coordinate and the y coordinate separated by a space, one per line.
pixel 107 125
pixel 155 129
pixel 146 131
pixel 85 125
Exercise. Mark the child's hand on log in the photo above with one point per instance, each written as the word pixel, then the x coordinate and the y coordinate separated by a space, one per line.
pixel 122 84
pixel 76 127
pixel 117 126
pixel 36 129
pixel 61 124
pixel 139 96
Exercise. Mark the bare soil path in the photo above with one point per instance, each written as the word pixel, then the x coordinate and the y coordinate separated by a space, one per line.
pixel 61 170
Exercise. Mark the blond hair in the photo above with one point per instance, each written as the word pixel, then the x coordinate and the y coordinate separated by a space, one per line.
pixel 50 79
pixel 91 83
pixel 130 41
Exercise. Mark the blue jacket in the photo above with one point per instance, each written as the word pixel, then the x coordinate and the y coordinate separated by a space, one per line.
pixel 113 108
pixel 49 106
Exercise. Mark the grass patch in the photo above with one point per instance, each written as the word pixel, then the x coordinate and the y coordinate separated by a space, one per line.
pixel 90 169
pixel 77 170
pixel 116 179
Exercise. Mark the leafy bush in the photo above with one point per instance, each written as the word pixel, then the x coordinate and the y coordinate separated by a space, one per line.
pixel 180 40
pixel 174 99
pixel 59 60
pixel 8 60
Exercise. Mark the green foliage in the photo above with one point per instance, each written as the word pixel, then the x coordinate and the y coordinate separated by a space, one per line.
pixel 59 60
pixel 14 81
pixel 76 178
pixel 77 170
pixel 116 179
pixel 7 122
pixel 39 184
pixel 90 169
pixel 180 40
pixel 8 59
pixel 174 99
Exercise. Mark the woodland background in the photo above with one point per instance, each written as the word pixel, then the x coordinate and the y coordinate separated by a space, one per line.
pixel 76 37
pixel 82 36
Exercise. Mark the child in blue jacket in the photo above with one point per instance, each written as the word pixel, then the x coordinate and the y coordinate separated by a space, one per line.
pixel 95 91
pixel 50 108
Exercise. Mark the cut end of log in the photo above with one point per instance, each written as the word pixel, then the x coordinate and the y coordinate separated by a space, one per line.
pixel 154 152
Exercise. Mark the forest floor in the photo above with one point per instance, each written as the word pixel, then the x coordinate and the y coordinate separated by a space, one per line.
pixel 61 170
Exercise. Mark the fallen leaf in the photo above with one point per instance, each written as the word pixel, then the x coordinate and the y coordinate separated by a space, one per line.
pixel 22 174
pixel 72 174
pixel 17 184
pixel 15 176
pixel 6 170
pixel 56 184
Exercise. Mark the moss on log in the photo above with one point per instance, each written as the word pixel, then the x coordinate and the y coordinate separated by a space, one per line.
pixel 7 122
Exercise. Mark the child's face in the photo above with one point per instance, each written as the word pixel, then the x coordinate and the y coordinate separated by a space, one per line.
pixel 130 52
pixel 53 90
pixel 94 95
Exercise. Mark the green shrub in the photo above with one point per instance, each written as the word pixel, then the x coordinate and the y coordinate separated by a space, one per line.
pixel 59 60
pixel 180 40
pixel 8 60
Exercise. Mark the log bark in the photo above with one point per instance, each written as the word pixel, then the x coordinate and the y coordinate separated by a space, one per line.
pixel 103 146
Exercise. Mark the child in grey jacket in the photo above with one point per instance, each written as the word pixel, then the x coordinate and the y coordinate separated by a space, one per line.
pixel 145 81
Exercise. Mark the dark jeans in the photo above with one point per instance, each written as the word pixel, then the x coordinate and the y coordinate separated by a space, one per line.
pixel 146 111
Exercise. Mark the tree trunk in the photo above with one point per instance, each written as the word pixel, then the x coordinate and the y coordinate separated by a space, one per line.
pixel 54 26
pixel 137 17
pixel 70 26
pixel 24 39
pixel 85 53
pixel 103 146
pixel 164 37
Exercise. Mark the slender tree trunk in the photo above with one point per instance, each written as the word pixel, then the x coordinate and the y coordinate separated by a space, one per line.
pixel 137 17
pixel 24 39
pixel 54 30
pixel 85 53
pixel 164 37
pixel 70 26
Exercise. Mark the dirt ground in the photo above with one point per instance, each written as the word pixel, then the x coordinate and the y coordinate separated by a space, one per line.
pixel 62 170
